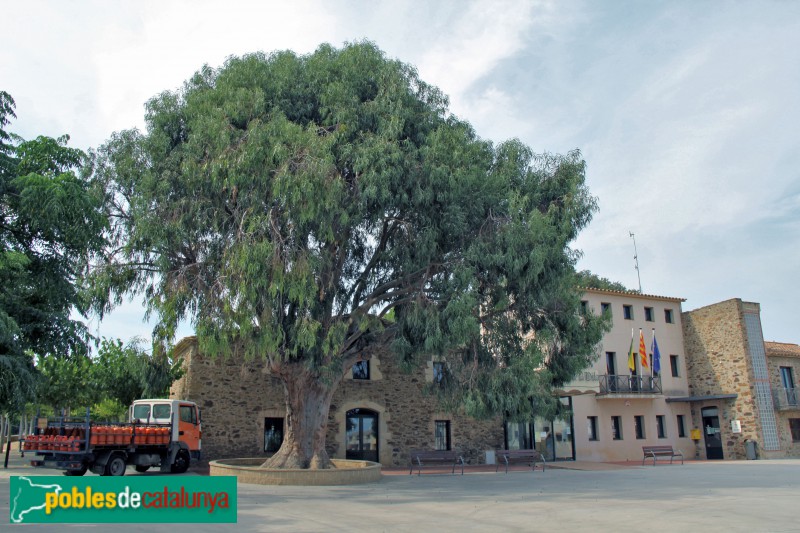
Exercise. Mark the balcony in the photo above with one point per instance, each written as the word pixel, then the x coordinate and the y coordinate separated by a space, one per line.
pixel 786 399
pixel 624 386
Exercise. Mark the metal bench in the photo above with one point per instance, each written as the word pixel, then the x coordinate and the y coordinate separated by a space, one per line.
pixel 422 458
pixel 519 456
pixel 660 451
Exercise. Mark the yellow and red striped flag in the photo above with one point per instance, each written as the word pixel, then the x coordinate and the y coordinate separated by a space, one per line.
pixel 642 351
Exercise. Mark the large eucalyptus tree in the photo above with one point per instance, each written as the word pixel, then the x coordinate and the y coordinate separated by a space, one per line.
pixel 315 210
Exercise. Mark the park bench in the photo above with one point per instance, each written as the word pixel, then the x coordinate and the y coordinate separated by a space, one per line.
pixel 660 451
pixel 422 458
pixel 519 456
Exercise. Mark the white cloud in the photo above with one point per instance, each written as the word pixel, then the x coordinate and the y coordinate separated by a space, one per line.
pixel 686 114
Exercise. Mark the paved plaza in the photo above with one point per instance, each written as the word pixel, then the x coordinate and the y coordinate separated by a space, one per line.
pixel 748 496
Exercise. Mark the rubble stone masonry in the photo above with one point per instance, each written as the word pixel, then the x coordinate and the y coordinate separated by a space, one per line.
pixel 718 362
pixel 236 396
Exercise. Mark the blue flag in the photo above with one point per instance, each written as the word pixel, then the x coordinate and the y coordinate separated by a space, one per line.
pixel 656 355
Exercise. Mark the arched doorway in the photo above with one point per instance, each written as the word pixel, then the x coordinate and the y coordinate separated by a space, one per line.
pixel 361 438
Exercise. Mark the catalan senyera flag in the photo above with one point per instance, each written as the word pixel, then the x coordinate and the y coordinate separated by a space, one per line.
pixel 631 356
pixel 656 355
pixel 642 351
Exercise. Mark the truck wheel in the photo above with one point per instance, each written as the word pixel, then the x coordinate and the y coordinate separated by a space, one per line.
pixel 115 466
pixel 181 463
pixel 142 468
pixel 79 472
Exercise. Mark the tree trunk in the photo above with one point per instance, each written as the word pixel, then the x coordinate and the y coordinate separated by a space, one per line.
pixel 308 401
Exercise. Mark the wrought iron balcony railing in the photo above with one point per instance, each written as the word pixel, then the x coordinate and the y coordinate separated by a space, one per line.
pixel 786 398
pixel 627 384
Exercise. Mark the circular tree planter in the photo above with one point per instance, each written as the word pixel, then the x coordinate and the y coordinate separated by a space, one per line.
pixel 248 470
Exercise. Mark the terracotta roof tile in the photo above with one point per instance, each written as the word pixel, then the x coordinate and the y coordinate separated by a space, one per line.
pixel 782 349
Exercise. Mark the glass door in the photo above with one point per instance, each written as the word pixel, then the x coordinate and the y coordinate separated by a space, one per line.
pixel 362 435
pixel 711 433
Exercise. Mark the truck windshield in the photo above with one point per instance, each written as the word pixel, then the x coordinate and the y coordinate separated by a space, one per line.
pixel 161 410
pixel 141 411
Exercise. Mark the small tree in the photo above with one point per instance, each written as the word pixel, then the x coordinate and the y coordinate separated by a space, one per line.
pixel 288 205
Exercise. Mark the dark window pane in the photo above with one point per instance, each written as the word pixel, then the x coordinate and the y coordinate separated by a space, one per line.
pixel 627 312
pixel 361 370
pixel 442 435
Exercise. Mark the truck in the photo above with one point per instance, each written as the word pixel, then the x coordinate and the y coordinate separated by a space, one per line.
pixel 159 433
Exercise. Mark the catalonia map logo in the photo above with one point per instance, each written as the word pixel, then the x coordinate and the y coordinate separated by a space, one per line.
pixel 96 500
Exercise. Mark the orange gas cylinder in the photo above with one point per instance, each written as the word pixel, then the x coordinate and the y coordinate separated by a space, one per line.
pixel 102 435
pixel 138 437
pixel 164 435
pixel 93 437
pixel 149 436
pixel 119 436
pixel 128 431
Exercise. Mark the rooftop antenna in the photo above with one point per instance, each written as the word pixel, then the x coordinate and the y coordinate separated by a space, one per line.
pixel 636 261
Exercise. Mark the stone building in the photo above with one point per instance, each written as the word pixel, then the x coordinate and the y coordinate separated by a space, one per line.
pixel 742 389
pixel 783 362
pixel 378 412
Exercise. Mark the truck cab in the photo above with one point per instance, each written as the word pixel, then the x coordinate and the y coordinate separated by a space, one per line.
pixel 182 415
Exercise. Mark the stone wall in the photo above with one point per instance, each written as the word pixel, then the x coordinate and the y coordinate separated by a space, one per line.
pixel 717 363
pixel 236 397
pixel 785 355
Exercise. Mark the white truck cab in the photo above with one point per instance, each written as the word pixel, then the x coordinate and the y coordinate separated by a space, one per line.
pixel 183 415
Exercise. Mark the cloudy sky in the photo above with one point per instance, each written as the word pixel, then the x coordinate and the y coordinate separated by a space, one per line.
pixel 687 113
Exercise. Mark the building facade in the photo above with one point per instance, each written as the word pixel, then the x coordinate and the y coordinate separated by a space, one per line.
pixel 380 413
pixel 617 410
pixel 741 388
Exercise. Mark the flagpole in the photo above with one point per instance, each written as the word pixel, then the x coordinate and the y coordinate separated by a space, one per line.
pixel 652 352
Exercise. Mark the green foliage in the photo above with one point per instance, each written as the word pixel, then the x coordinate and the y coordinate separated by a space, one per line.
pixel 119 374
pixel 588 280
pixel 109 410
pixel 289 204
pixel 50 223
pixel 65 383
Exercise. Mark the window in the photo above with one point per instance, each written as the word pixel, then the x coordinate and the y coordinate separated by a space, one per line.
pixel 592 426
pixel 681 427
pixel 648 314
pixel 616 428
pixel 787 380
pixel 787 377
pixel 673 364
pixel 273 434
pixel 794 426
pixel 442 435
pixel 660 428
pixel 605 308
pixel 519 435
pixel 611 367
pixel 141 411
pixel 187 414
pixel 584 307
pixel 162 410
pixel 438 372
pixel 361 370
pixel 668 318
pixel 627 312
pixel 638 424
